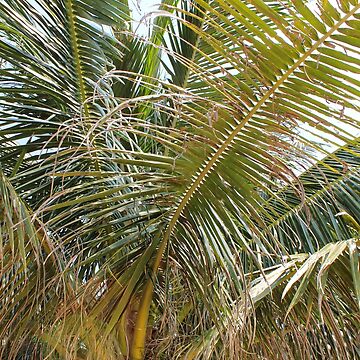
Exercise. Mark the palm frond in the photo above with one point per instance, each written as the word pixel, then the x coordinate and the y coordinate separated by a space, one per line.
pixel 35 289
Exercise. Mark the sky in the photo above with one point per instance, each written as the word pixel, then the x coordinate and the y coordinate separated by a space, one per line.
pixel 140 8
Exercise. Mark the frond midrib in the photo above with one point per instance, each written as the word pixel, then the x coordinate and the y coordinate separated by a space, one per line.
pixel 310 199
pixel 76 52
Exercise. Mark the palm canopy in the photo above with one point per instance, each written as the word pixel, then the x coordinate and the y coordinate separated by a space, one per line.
pixel 176 191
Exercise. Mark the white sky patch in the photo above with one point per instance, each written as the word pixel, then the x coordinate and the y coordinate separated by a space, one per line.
pixel 141 8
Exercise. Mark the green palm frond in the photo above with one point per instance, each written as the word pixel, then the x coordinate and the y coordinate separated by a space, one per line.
pixel 55 56
pixel 243 133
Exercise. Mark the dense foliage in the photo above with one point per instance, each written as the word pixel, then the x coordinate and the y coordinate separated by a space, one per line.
pixel 190 195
